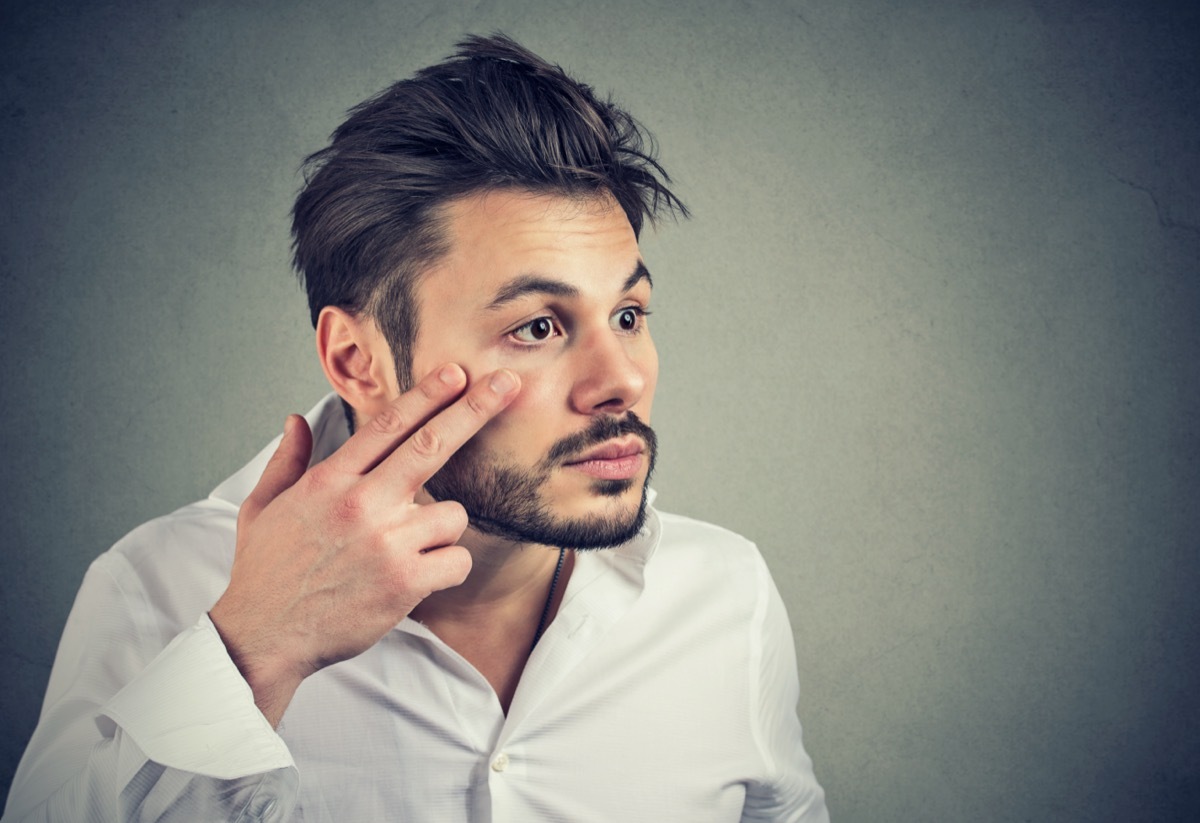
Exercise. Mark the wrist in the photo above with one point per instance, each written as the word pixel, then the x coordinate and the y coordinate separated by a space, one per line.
pixel 271 678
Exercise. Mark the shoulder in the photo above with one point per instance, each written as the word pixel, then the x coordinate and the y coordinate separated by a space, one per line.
pixel 173 567
pixel 679 533
pixel 200 531
pixel 680 528
pixel 707 554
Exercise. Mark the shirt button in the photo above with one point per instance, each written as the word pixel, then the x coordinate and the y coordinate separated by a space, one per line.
pixel 500 763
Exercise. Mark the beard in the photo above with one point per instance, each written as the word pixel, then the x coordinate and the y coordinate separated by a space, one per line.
pixel 507 500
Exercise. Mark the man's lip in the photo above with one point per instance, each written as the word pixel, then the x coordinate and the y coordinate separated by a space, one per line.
pixel 612 450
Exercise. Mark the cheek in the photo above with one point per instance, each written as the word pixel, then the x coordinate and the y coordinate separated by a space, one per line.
pixel 540 397
pixel 650 372
pixel 477 365
pixel 529 419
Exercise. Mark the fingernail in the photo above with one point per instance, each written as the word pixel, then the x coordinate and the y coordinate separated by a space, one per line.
pixel 502 382
pixel 288 425
pixel 450 375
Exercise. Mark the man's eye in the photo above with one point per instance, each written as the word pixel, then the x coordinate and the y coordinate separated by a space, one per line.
pixel 629 319
pixel 535 331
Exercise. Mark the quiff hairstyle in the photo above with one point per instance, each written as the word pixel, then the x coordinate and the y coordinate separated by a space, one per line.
pixel 370 217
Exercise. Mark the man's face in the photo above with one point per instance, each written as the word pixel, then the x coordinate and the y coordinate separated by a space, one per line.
pixel 553 289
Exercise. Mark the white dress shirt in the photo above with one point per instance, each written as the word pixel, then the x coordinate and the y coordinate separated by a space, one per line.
pixel 664 690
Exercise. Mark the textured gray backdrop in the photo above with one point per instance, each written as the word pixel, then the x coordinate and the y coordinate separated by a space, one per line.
pixel 931 340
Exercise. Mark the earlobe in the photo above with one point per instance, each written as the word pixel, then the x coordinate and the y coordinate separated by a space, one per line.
pixel 356 360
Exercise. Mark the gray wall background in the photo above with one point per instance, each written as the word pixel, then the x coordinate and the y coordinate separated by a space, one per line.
pixel 931 340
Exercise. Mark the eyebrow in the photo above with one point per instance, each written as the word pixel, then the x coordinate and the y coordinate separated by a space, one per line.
pixel 640 272
pixel 533 284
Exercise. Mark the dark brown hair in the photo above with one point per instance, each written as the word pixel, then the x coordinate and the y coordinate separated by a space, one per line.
pixel 492 116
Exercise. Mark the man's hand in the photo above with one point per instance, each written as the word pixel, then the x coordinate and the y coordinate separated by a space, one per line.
pixel 329 559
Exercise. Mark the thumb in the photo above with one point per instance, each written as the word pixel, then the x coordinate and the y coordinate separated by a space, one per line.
pixel 286 466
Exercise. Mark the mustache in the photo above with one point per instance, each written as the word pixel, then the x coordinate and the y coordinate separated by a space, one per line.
pixel 598 431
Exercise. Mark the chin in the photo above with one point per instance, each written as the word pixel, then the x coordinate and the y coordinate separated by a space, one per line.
pixel 613 488
pixel 606 521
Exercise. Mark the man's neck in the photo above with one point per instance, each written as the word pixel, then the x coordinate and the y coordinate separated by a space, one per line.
pixel 505 576
pixel 492 619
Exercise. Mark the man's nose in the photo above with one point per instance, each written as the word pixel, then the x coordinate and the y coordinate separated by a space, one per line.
pixel 610 379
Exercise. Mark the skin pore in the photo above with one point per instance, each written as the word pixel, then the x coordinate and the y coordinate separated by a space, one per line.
pixel 553 289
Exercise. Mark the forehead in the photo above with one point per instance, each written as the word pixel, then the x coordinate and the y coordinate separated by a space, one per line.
pixel 501 235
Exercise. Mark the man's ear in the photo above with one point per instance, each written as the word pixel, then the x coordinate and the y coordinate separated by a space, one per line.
pixel 357 360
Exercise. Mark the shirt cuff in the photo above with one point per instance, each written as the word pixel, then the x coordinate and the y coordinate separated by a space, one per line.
pixel 191 709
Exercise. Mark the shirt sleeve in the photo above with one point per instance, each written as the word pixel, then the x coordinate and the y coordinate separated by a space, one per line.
pixel 788 790
pixel 131 732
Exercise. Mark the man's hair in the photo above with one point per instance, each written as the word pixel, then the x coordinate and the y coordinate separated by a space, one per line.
pixel 370 217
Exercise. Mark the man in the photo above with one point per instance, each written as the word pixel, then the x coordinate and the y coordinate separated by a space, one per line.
pixel 443 595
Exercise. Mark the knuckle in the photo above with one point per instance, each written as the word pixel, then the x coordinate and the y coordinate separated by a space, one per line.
pixel 479 405
pixel 427 442
pixel 350 507
pixel 388 421
pixel 397 567
pixel 317 478
pixel 403 579
pixel 377 544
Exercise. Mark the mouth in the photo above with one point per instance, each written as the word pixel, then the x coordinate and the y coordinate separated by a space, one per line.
pixel 615 460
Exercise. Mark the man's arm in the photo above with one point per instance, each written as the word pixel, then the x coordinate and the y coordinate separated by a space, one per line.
pixel 83 764
pixel 327 561
pixel 788 790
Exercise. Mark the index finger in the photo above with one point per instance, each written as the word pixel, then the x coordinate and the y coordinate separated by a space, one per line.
pixel 379 436
pixel 420 456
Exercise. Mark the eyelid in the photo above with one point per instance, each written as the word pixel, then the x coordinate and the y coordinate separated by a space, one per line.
pixel 556 328
pixel 642 313
pixel 559 330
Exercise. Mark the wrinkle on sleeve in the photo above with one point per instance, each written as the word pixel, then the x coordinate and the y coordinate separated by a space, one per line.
pixel 128 731
pixel 788 789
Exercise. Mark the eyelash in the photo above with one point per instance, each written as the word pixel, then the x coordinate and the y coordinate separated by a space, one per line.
pixel 640 312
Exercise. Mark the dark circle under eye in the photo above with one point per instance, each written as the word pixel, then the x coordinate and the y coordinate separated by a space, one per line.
pixel 628 319
pixel 541 328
